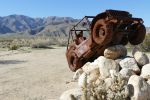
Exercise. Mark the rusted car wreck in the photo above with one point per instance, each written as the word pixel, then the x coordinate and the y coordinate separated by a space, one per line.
pixel 93 34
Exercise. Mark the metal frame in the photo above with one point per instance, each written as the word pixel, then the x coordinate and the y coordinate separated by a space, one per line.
pixel 74 30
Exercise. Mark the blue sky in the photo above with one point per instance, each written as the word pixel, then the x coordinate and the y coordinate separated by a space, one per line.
pixel 74 8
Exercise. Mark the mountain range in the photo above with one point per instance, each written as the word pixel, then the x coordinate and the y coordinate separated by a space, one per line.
pixel 52 26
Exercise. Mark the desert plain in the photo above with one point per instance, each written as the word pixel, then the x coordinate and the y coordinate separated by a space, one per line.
pixel 34 74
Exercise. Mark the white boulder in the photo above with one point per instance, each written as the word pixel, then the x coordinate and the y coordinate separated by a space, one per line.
pixel 105 65
pixel 125 72
pixel 145 73
pixel 92 71
pixel 115 52
pixel 82 81
pixel 77 74
pixel 90 66
pixel 148 81
pixel 71 94
pixel 139 88
pixel 93 76
pixel 130 63
pixel 140 57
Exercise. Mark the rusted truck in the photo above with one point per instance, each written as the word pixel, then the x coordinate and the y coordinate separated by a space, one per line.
pixel 93 34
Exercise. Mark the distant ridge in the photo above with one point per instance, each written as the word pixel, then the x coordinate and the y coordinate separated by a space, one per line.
pixel 52 25
pixel 27 25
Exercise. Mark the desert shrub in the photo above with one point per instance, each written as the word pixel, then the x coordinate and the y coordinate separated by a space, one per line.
pixel 32 41
pixel 145 46
pixel 40 43
pixel 13 47
pixel 61 41
pixel 14 44
pixel 8 42
pixel 44 42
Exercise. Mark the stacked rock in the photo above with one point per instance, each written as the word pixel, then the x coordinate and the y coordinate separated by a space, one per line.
pixel 114 76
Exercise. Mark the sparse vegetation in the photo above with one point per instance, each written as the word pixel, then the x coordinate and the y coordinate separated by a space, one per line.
pixel 145 46
pixel 40 43
pixel 13 43
pixel 13 47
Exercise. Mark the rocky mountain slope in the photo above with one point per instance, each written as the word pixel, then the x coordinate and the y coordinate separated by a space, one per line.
pixel 24 24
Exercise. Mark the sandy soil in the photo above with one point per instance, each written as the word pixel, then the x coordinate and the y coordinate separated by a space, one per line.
pixel 36 75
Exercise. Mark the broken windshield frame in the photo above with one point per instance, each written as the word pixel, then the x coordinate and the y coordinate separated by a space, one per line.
pixel 85 27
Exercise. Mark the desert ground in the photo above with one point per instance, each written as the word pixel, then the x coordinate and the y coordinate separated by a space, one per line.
pixel 34 74
pixel 39 74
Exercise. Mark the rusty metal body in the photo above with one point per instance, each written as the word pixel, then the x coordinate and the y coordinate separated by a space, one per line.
pixel 108 28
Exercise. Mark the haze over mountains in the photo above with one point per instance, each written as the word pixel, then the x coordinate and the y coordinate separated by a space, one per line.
pixel 26 25
pixel 52 26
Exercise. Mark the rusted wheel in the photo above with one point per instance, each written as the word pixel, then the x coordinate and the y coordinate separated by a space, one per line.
pixel 137 34
pixel 73 61
pixel 102 32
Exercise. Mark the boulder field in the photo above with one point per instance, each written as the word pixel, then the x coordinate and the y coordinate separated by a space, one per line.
pixel 114 76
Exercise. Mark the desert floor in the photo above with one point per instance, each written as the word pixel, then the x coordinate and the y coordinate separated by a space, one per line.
pixel 34 74
pixel 39 74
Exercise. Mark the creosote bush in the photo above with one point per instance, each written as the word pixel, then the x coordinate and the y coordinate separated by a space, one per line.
pixel 13 47
pixel 33 42
pixel 40 43
pixel 145 46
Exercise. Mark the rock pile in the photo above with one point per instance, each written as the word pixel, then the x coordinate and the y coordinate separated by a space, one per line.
pixel 114 76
